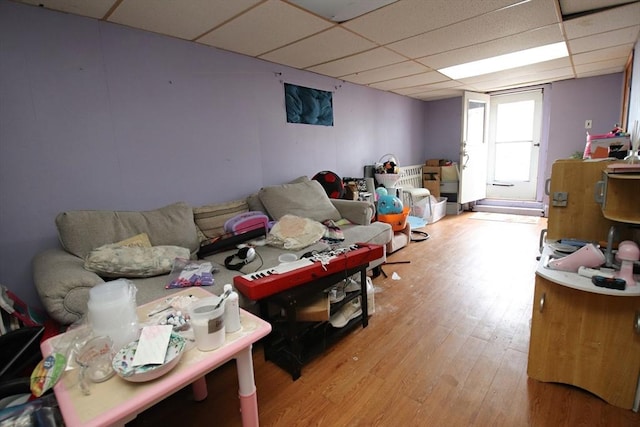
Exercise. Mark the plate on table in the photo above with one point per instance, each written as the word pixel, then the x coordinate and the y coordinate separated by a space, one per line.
pixel 122 361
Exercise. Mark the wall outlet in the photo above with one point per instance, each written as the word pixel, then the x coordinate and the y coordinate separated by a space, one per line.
pixel 587 124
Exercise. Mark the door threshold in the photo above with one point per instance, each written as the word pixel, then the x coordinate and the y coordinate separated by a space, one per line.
pixel 510 207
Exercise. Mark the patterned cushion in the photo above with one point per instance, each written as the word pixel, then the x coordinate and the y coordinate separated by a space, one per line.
pixel 122 261
pixel 210 219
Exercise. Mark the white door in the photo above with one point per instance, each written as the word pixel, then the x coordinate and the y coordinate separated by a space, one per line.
pixel 514 145
pixel 474 147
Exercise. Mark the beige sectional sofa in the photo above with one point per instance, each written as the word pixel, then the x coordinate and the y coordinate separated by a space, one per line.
pixel 63 281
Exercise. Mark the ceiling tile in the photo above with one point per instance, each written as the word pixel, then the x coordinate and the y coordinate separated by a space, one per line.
pixel 491 26
pixel 617 64
pixel 600 72
pixel 408 18
pixel 609 20
pixel 369 60
pixel 538 37
pixel 386 73
pixel 569 7
pixel 184 19
pixel 264 28
pixel 438 94
pixel 602 54
pixel 599 41
pixel 428 88
pixel 415 80
pixel 542 67
pixel 327 46
pixel 93 9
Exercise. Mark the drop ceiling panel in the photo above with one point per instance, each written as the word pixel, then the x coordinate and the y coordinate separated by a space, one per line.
pixel 327 46
pixel 609 20
pixel 386 73
pixel 529 80
pixel 264 28
pixel 483 28
pixel 369 60
pixel 438 94
pixel 93 9
pixel 541 36
pixel 610 64
pixel 610 38
pixel 182 19
pixel 602 54
pixel 569 7
pixel 556 64
pixel 416 80
pixel 449 84
pixel 408 18
pixel 600 72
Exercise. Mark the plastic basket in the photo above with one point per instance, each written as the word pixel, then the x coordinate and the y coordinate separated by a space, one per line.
pixel 388 180
pixel 398 222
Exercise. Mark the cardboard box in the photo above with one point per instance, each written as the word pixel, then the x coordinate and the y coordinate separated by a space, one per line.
pixel 446 173
pixel 433 185
pixel 315 311
pixel 432 162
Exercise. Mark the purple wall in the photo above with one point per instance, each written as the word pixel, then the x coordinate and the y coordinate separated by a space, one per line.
pixel 99 116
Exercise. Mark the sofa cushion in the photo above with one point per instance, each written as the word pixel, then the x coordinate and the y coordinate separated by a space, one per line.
pixel 82 231
pixel 255 204
pixel 210 219
pixel 132 261
pixel 304 199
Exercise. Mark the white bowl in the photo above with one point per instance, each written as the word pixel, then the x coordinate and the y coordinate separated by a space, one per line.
pixel 123 359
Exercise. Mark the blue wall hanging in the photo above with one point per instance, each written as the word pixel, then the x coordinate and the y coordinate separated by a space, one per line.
pixel 308 106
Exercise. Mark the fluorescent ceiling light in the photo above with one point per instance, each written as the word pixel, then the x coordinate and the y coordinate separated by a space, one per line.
pixel 507 61
pixel 341 10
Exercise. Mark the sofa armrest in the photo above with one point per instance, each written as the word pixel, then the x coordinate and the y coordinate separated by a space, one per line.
pixel 356 211
pixel 63 284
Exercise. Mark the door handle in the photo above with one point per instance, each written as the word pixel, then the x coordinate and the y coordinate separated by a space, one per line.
pixel 542 298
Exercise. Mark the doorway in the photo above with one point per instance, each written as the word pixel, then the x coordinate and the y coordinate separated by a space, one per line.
pixel 515 127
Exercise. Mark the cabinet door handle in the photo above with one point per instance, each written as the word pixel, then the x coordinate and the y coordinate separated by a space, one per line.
pixel 599 192
pixel 542 298
pixel 636 326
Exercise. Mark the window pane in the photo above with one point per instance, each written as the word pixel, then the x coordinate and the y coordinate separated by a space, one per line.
pixel 475 122
pixel 515 121
pixel 513 161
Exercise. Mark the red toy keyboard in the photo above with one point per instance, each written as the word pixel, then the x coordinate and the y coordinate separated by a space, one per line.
pixel 264 283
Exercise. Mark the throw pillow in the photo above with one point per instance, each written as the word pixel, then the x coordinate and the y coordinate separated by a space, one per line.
pixel 210 219
pixel 304 199
pixel 138 241
pixel 293 232
pixel 122 261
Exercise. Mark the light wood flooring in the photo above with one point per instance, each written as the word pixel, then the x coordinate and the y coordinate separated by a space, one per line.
pixel 447 346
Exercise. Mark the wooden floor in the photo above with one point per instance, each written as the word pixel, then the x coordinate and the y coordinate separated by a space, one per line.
pixel 447 346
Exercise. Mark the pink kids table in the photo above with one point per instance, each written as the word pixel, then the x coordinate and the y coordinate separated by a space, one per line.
pixel 117 401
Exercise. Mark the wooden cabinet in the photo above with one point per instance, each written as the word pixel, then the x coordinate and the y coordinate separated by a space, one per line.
pixel 573 210
pixel 586 339
pixel 620 197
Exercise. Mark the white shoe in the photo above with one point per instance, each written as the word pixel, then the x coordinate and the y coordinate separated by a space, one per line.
pixel 352 285
pixel 347 313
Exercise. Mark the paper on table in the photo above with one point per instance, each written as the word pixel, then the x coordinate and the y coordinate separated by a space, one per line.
pixel 152 346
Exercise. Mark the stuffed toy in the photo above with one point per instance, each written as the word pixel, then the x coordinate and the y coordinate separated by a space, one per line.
pixel 389 205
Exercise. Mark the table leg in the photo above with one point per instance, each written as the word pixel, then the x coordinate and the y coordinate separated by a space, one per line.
pixel 247 388
pixel 199 389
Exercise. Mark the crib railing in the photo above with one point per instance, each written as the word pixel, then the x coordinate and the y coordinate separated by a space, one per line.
pixel 410 176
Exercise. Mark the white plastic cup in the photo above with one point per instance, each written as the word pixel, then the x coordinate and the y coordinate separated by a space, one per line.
pixel 207 323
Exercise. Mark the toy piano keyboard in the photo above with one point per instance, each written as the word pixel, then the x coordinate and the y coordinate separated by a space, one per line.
pixel 264 283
